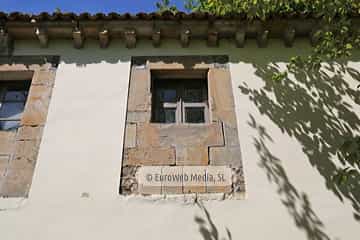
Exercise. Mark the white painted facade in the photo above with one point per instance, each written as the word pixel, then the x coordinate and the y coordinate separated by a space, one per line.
pixel 81 151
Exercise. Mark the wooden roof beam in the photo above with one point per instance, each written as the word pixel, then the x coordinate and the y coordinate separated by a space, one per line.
pixel 78 38
pixel 104 38
pixel 185 37
pixel 156 37
pixel 289 36
pixel 42 36
pixel 6 43
pixel 240 37
pixel 130 38
pixel 213 38
pixel 262 38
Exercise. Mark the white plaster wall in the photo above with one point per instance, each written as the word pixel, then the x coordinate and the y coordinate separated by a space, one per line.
pixel 82 147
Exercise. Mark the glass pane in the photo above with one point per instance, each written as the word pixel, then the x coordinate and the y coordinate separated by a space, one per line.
pixel 193 95
pixel 169 115
pixel 9 125
pixel 167 95
pixel 194 115
pixel 16 95
pixel 11 109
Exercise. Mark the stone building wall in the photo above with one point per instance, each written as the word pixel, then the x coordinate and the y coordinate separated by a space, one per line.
pixel 155 144
pixel 19 148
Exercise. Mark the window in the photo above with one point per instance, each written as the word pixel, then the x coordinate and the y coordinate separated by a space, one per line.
pixel 179 100
pixel 13 95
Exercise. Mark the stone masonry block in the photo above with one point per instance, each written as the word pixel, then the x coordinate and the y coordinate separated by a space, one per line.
pixel 148 136
pixel 221 96
pixel 138 117
pixel 219 179
pixel 172 180
pixel 129 185
pixel 195 181
pixel 42 77
pixel 17 182
pixel 130 135
pixel 221 89
pixel 37 105
pixel 231 136
pixel 27 150
pixel 146 177
pixel 150 156
pixel 7 142
pixel 29 133
pixel 139 90
pixel 229 156
pixel 192 155
pixel 179 135
pixel 4 163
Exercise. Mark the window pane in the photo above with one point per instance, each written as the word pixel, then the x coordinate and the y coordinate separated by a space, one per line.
pixel 169 115
pixel 167 95
pixel 9 125
pixel 11 109
pixel 193 95
pixel 194 115
pixel 16 95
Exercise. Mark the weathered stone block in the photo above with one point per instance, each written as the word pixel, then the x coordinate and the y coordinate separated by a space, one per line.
pixel 29 133
pixel 148 136
pixel 192 155
pixel 17 182
pixel 139 90
pixel 129 170
pixel 27 150
pixel 4 163
pixel 129 185
pixel 148 182
pixel 195 182
pixel 150 156
pixel 37 105
pixel 238 180
pixel 130 135
pixel 172 180
pixel 221 96
pixel 229 156
pixel 219 179
pixel 231 135
pixel 138 117
pixel 7 142
pixel 43 78
pixel 179 135
pixel 220 88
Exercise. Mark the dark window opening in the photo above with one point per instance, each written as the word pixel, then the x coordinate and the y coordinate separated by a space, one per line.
pixel 177 100
pixel 13 95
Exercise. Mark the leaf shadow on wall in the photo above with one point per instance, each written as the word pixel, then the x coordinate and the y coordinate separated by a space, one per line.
pixel 297 203
pixel 207 227
pixel 314 109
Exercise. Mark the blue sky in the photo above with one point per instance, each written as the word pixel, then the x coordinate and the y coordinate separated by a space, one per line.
pixel 93 6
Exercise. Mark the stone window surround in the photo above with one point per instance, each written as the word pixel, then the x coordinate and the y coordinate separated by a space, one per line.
pixel 19 148
pixel 222 110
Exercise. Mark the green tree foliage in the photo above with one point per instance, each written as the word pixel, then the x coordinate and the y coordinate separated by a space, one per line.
pixel 164 5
